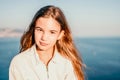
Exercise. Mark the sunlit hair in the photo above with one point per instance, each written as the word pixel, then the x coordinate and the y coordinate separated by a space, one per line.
pixel 64 45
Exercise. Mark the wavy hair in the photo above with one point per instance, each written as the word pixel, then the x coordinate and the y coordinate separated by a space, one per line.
pixel 65 45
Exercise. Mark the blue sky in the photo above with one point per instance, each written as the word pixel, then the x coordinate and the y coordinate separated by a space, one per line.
pixel 86 18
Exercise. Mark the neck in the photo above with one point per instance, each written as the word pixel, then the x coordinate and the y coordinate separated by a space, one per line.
pixel 46 56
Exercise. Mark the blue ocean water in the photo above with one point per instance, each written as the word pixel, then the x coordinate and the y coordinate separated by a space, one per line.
pixel 9 47
pixel 101 56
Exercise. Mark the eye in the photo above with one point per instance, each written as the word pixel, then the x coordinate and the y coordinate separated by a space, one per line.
pixel 38 29
pixel 53 32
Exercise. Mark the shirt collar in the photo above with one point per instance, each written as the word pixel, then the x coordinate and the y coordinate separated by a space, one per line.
pixel 57 58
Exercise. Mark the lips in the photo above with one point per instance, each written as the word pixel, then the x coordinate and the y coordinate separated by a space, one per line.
pixel 43 44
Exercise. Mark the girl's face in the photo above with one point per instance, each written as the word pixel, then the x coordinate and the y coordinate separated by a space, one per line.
pixel 47 32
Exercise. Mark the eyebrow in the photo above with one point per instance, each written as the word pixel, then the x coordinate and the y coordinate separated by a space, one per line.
pixel 54 30
pixel 37 27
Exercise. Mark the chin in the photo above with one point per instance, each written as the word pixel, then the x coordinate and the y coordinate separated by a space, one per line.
pixel 41 48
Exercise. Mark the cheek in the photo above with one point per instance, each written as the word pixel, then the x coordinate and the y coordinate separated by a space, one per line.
pixel 52 39
pixel 36 36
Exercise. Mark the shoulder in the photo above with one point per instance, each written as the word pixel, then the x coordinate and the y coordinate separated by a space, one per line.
pixel 67 62
pixel 21 57
pixel 61 59
pixel 67 67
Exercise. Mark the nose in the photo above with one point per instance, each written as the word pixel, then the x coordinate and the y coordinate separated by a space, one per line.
pixel 44 36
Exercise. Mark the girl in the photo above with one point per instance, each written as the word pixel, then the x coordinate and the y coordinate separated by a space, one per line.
pixel 47 50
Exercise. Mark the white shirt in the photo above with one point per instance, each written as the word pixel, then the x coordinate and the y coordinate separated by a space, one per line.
pixel 27 66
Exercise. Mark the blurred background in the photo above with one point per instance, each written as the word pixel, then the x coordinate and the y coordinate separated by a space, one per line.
pixel 95 26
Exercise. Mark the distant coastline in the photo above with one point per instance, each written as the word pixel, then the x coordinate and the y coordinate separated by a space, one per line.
pixel 10 32
pixel 13 33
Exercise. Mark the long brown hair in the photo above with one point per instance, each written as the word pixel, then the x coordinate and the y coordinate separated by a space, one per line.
pixel 65 45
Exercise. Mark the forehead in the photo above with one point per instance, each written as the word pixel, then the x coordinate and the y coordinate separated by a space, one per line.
pixel 47 23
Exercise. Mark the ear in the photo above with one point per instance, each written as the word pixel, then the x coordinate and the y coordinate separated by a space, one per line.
pixel 61 34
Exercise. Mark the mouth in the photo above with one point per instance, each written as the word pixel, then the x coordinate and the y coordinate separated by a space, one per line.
pixel 43 44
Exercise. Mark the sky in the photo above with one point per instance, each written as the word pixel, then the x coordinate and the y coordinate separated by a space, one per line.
pixel 87 18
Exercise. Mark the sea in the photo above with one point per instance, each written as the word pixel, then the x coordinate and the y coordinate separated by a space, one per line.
pixel 101 56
